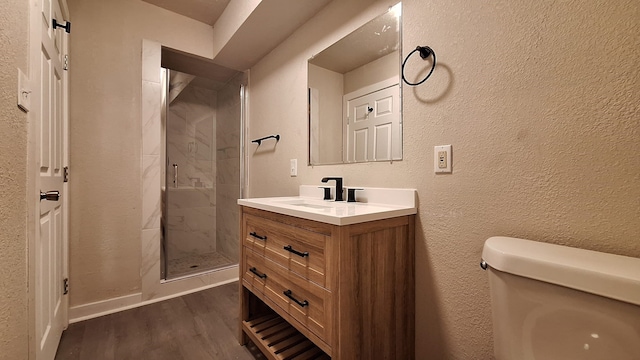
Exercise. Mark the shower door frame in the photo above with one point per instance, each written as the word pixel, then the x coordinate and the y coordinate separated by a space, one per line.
pixel 152 287
pixel 164 173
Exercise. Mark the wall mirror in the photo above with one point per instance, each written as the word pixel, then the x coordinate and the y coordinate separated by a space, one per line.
pixel 354 98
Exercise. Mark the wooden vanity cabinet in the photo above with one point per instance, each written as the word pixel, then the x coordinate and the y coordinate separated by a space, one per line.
pixel 308 286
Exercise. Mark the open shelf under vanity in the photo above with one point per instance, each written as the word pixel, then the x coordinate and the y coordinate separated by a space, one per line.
pixel 277 339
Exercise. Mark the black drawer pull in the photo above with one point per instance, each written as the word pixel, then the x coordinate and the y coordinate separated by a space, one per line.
pixel 255 271
pixel 290 249
pixel 263 238
pixel 302 303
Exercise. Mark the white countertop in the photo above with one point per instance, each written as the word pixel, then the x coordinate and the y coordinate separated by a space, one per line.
pixel 373 204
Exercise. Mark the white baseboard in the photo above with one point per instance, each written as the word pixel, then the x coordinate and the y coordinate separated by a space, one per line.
pixel 126 302
pixel 103 307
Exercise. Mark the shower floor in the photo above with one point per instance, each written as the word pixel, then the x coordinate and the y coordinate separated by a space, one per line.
pixel 194 264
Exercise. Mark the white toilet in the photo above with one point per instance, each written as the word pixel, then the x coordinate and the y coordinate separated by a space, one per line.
pixel 556 302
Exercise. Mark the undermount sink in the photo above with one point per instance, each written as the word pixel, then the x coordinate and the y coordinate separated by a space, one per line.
pixel 306 203
pixel 372 204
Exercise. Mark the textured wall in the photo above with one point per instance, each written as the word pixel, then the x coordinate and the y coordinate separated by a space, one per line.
pixel 14 37
pixel 105 137
pixel 540 101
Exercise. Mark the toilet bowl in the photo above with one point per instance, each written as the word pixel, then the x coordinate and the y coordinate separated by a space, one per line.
pixel 556 302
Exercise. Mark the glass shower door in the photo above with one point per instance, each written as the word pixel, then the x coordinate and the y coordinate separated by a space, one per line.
pixel 200 146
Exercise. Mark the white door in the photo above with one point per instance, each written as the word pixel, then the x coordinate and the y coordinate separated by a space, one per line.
pixel 49 114
pixel 373 126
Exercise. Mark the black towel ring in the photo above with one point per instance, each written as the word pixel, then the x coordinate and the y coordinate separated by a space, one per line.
pixel 425 51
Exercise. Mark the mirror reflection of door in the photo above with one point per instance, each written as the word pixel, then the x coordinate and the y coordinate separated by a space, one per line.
pixel 373 126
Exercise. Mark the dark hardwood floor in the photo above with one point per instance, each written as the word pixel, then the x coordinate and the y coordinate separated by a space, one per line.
pixel 198 326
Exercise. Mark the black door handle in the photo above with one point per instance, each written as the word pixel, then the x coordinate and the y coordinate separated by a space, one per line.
pixel 53 195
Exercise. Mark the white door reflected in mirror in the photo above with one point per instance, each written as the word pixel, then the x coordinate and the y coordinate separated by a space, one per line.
pixel 373 126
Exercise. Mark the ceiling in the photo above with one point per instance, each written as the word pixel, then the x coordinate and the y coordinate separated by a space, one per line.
pixel 269 24
pixel 206 11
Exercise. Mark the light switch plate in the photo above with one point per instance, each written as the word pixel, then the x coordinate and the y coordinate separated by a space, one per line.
pixel 24 92
pixel 442 159
pixel 293 168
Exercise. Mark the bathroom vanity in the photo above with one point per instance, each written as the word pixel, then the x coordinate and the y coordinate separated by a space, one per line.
pixel 323 279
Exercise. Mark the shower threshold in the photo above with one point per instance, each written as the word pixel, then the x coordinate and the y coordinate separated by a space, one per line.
pixel 191 265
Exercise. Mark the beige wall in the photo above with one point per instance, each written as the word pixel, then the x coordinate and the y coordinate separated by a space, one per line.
pixel 234 15
pixel 376 71
pixel 14 37
pixel 326 115
pixel 540 101
pixel 105 137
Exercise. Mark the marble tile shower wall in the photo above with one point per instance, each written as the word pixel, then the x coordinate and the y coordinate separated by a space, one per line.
pixel 151 191
pixel 228 166
pixel 191 140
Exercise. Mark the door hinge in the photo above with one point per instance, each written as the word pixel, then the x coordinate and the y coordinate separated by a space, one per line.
pixel 65 286
pixel 66 62
pixel 65 174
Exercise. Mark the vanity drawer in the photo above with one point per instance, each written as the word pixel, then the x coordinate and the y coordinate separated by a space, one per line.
pixel 296 249
pixel 306 302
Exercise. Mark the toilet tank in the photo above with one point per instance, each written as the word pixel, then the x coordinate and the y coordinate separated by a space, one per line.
pixel 557 302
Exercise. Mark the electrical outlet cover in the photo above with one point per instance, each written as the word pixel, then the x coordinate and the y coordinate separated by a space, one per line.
pixel 442 159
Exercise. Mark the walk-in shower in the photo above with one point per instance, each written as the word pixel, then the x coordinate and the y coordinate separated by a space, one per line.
pixel 201 176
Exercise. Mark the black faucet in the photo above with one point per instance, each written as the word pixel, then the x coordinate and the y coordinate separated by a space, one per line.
pixel 338 186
